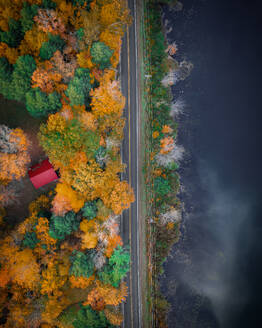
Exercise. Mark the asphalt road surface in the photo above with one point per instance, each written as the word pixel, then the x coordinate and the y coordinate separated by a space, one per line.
pixel 130 219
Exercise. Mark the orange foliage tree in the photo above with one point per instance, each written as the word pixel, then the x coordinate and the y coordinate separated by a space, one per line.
pixel 14 155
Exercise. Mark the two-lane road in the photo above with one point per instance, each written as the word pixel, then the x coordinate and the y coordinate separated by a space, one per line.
pixel 130 153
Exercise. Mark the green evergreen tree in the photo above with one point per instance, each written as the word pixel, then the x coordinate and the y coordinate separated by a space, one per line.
pixel 21 77
pixel 14 35
pixel 6 70
pixel 82 264
pixel 30 240
pixel 62 226
pixel 89 210
pixel 40 104
pixel 48 4
pixel 116 268
pixel 101 54
pixel 79 87
pixel 51 46
pixel 28 13
pixel 88 318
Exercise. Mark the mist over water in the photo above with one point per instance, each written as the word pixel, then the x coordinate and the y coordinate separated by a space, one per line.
pixel 213 276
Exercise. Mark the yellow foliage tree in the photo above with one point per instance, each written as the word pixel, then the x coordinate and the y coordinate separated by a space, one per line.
pixel 106 294
pixel 23 269
pixel 46 81
pixel 32 42
pixel 84 59
pixel 113 242
pixel 113 315
pixel 9 9
pixel 72 197
pixel 81 282
pixel 54 279
pixel 14 155
pixel 89 236
pixel 10 53
pixel 88 121
pixel 54 306
pixel 84 178
pixel 115 15
pixel 107 99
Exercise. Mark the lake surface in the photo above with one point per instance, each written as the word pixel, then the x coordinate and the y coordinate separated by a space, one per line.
pixel 213 276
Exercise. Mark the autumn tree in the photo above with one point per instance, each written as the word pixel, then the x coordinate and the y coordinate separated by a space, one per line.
pixel 45 80
pixel 49 22
pixel 14 156
pixel 89 235
pixel 9 9
pixel 67 142
pixel 23 269
pixel 90 28
pixel 66 69
pixel 113 315
pixel 106 294
pixel 32 42
pixel 66 199
pixel 115 15
pixel 107 99
pixel 54 277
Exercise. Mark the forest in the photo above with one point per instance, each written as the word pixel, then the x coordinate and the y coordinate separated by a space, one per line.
pixel 63 265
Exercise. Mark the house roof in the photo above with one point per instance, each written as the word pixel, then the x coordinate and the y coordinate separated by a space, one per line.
pixel 42 174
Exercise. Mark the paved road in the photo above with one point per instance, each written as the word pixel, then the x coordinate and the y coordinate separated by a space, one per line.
pixel 130 219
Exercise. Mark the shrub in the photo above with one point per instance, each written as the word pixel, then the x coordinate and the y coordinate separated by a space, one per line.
pixel 161 186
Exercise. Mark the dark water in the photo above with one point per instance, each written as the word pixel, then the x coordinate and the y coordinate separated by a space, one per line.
pixel 214 277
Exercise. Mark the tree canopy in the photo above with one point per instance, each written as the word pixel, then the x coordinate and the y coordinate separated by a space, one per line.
pixel 60 227
pixel 101 54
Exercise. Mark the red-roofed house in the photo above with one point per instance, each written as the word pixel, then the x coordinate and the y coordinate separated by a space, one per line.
pixel 42 174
